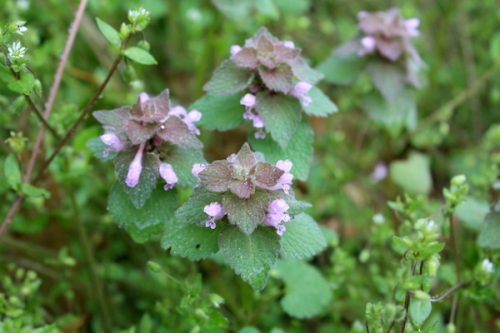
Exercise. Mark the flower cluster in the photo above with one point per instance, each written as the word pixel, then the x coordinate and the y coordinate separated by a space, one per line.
pixel 150 127
pixel 253 191
pixel 16 51
pixel 273 67
pixel 389 35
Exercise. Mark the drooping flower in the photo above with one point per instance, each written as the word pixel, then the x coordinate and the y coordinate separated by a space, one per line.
pixel 112 142
pixel 300 91
pixel 215 211
pixel 276 215
pixel 379 172
pixel 135 168
pixel 249 101
pixel 168 174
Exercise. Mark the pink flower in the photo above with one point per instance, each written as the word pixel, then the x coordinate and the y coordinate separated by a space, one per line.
pixel 300 91
pixel 412 27
pixel 168 175
pixel 216 212
pixel 188 118
pixel 260 134
pixel 379 172
pixel 197 168
pixel 248 101
pixel 112 142
pixel 276 215
pixel 235 49
pixel 143 97
pixel 289 44
pixel 135 168
pixel 286 178
pixel 368 45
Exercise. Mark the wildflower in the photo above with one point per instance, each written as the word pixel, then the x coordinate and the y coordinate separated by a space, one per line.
pixel 21 28
pixel 134 15
pixel 249 101
pixel 112 142
pixel 276 215
pixel 135 168
pixel 197 168
pixel 286 178
pixel 487 266
pixel 379 172
pixel 300 91
pixel 168 175
pixel 215 211
pixel 16 51
pixel 235 49
pixel 189 118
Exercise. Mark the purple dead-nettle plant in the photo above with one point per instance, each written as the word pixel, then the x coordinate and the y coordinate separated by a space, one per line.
pixel 274 83
pixel 388 35
pixel 250 191
pixel 144 139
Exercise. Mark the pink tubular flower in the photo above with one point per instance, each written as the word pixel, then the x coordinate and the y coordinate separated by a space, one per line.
pixel 286 178
pixel 379 172
pixel 189 118
pixel 143 97
pixel 248 101
pixel 300 91
pixel 235 49
pixel 197 168
pixel 412 27
pixel 168 175
pixel 289 44
pixel 216 212
pixel 276 215
pixel 368 45
pixel 112 142
pixel 135 168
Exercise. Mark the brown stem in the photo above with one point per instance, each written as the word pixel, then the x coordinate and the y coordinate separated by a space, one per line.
pixel 456 258
pixel 407 302
pixel 86 111
pixel 450 291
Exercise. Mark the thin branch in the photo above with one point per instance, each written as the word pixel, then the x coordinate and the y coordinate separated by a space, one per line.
pixel 450 291
pixel 86 111
pixel 407 301
pixel 31 103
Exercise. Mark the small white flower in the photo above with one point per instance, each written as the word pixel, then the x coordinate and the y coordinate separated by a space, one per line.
pixel 16 51
pixel 487 266
pixel 134 14
pixel 431 226
pixel 21 29
pixel 378 219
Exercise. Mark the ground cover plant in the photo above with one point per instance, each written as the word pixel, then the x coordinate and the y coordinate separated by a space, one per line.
pixel 249 166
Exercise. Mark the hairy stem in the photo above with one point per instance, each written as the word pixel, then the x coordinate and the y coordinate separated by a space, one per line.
pixel 407 301
pixel 456 258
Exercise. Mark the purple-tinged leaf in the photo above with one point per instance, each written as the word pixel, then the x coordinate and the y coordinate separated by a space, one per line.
pixel 175 131
pixel 243 189
pixel 246 214
pixel 247 58
pixel 139 133
pixel 267 175
pixel 217 176
pixel 279 79
pixel 113 120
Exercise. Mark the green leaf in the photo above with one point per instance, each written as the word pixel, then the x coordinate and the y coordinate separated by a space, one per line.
pixel 250 256
pixel 34 192
pixel 299 150
pixel 12 172
pixel 307 291
pixel 279 79
pixel 182 160
pixel 419 310
pixel 190 241
pixel 413 174
pixel 399 113
pixel 220 112
pixel 192 211
pixel 321 105
pixel 144 223
pixel 303 238
pixel 24 85
pixel 98 149
pixel 431 249
pixel 140 56
pixel 399 245
pixel 281 115
pixel 472 212
pixel 342 70
pixel 148 180
pixel 489 237
pixel 248 329
pixel 387 78
pixel 246 214
pixel 228 79
pixel 109 32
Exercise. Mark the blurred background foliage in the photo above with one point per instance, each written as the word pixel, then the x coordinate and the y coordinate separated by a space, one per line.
pixel 90 276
